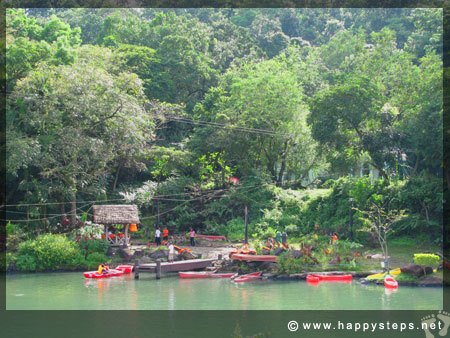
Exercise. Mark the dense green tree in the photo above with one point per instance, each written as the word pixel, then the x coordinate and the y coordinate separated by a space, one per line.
pixel 267 97
pixel 81 117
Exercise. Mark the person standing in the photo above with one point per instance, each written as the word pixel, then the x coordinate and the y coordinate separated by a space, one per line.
pixel 171 252
pixel 192 236
pixel 278 238
pixel 165 235
pixel 158 236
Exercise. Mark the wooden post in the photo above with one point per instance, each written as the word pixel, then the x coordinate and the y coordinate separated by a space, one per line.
pixel 136 269
pixel 158 269
pixel 125 245
pixel 246 225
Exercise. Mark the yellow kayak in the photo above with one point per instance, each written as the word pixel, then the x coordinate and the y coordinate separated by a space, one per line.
pixel 382 274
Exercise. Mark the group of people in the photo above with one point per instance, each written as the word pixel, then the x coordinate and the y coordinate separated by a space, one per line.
pixel 165 236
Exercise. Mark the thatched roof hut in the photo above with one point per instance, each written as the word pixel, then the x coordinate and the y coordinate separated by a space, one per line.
pixel 115 214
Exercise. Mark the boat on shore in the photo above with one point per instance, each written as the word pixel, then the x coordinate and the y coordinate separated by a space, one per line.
pixel 254 258
pixel 248 277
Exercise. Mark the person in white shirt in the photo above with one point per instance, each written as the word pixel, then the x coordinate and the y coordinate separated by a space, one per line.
pixel 158 236
pixel 171 252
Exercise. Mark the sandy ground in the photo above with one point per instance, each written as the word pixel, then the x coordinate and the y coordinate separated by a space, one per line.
pixel 205 251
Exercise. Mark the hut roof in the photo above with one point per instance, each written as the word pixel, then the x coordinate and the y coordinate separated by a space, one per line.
pixel 115 214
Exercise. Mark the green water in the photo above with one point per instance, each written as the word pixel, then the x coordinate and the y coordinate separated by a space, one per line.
pixel 71 291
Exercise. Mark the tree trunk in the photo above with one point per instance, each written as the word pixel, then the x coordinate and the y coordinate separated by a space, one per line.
pixel 415 168
pixel 117 175
pixel 73 208
pixel 283 163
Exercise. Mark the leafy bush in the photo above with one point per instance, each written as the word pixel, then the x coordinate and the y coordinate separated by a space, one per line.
pixel 26 263
pixel 47 252
pixel 426 259
pixel 90 246
pixel 94 260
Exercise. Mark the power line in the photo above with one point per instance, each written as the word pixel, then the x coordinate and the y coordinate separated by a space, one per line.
pixel 227 126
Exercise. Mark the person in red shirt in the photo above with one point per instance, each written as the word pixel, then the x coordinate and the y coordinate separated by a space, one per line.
pixel 165 234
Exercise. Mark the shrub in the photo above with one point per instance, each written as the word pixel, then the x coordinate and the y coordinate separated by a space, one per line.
pixel 94 260
pixel 426 259
pixel 47 252
pixel 90 246
pixel 26 263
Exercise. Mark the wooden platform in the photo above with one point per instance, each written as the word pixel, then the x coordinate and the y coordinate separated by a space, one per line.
pixel 158 267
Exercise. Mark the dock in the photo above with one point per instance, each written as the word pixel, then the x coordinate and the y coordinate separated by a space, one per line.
pixel 159 267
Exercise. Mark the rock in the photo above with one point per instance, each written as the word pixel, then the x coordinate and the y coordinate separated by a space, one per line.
pixel 145 260
pixel 268 266
pixel 126 254
pixel 138 253
pixel 412 269
pixel 282 277
pixel 254 265
pixel 296 253
pixel 112 251
pixel 428 270
pixel 187 255
pixel 269 275
pixel 430 281
pixel 158 254
pixel 278 251
pixel 297 276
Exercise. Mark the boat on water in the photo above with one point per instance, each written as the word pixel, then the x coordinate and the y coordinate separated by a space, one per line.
pixel 125 268
pixel 205 274
pixel 312 279
pixel 254 258
pixel 333 277
pixel 95 274
pixel 390 282
pixel 248 277
pixel 223 275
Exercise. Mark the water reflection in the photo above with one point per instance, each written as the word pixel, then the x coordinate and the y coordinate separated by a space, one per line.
pixel 72 291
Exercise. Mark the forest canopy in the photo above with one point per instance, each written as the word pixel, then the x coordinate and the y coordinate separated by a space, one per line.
pixel 141 103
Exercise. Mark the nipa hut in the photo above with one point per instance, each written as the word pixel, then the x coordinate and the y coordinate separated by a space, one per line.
pixel 116 214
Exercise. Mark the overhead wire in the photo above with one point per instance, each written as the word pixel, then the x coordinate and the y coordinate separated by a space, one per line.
pixel 227 126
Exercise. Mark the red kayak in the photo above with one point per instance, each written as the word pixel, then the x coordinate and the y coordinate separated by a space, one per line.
pixel 312 279
pixel 223 275
pixel 95 274
pixel 125 268
pixel 205 274
pixel 195 274
pixel 223 238
pixel 333 277
pixel 248 277
pixel 390 282
pixel 254 258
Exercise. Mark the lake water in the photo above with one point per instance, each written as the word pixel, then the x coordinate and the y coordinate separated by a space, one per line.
pixel 71 291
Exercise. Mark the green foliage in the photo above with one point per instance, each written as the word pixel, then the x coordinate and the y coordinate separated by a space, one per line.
pixel 90 246
pixel 27 262
pixel 46 252
pixel 427 259
pixel 289 264
pixel 94 260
